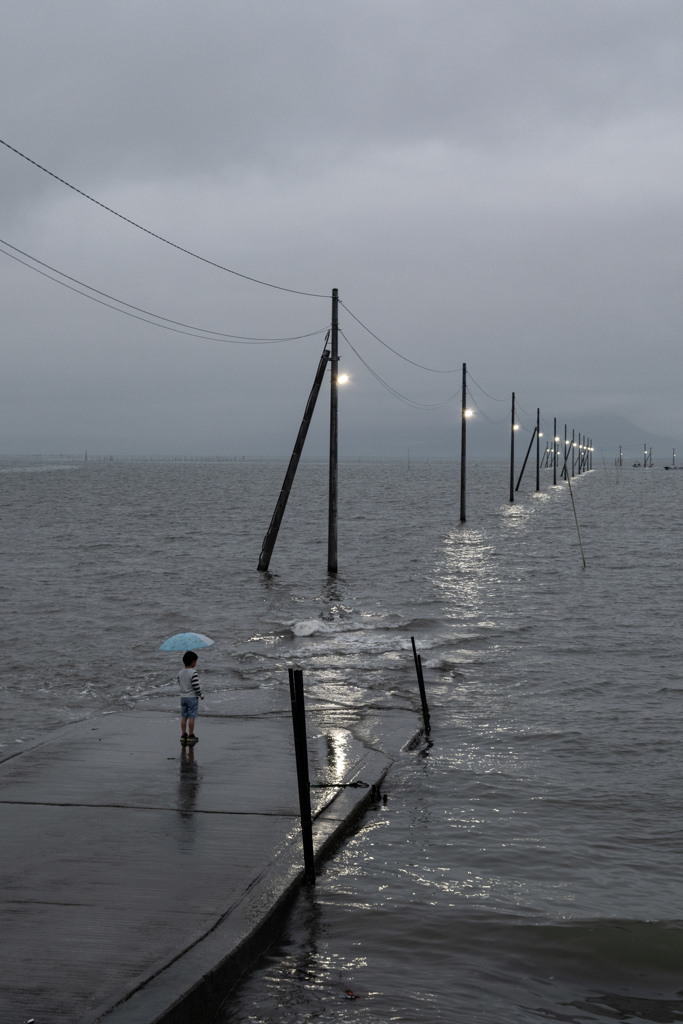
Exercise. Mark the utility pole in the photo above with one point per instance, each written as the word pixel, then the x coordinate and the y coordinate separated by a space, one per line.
pixel 573 452
pixel 538 449
pixel 512 451
pixel 273 529
pixel 334 373
pixel 463 445
pixel 554 450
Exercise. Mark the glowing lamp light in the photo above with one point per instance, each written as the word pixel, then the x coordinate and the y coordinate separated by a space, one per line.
pixel 468 413
pixel 516 426
pixel 541 434
pixel 343 378
pixel 557 439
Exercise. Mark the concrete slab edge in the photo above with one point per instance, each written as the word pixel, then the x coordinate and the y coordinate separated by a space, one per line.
pixel 192 989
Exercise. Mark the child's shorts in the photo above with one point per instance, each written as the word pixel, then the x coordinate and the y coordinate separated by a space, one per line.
pixel 189 706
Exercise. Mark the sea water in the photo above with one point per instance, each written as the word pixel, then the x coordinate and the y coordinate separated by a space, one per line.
pixel 526 865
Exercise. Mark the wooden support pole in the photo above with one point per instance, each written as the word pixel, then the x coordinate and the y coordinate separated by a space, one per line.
pixel 526 458
pixel 538 449
pixel 555 451
pixel 463 446
pixel 512 451
pixel 296 692
pixel 573 452
pixel 274 528
pixel 334 373
pixel 421 684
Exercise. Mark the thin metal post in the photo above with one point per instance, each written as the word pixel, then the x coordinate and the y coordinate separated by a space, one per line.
pixel 512 451
pixel 538 449
pixel 463 445
pixel 564 467
pixel 573 452
pixel 421 684
pixel 644 455
pixel 273 529
pixel 334 373
pixel 296 692
pixel 554 450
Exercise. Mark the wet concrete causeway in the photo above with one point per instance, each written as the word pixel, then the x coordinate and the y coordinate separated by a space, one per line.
pixel 139 880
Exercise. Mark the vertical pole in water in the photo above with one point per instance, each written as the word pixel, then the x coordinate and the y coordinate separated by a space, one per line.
pixel 512 451
pixel 564 466
pixel 421 684
pixel 573 452
pixel 463 445
pixel 555 451
pixel 334 372
pixel 296 692
pixel 644 454
pixel 674 459
pixel 538 449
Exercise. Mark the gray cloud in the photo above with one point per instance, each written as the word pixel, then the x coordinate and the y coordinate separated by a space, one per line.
pixel 493 182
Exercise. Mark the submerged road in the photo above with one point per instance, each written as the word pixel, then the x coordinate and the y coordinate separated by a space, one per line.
pixel 138 880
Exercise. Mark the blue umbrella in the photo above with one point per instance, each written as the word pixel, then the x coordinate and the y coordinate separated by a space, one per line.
pixel 187 642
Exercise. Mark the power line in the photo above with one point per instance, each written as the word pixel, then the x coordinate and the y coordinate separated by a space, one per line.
pixel 192 332
pixel 160 238
pixel 397 394
pixel 485 392
pixel 485 415
pixel 395 351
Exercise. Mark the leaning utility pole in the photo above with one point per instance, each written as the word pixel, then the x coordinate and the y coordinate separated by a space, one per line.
pixel 273 529
pixel 334 372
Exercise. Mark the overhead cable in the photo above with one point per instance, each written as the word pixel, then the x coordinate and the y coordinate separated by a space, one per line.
pixel 160 238
pixel 192 332
pixel 395 351
pixel 485 415
pixel 397 394
pixel 470 377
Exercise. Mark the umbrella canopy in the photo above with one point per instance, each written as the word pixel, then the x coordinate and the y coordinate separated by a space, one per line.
pixel 186 642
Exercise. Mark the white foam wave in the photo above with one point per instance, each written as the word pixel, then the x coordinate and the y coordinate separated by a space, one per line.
pixel 310 626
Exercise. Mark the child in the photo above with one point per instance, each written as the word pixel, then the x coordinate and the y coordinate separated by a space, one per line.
pixel 188 680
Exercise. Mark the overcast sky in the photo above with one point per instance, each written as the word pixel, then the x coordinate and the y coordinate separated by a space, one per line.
pixel 492 181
